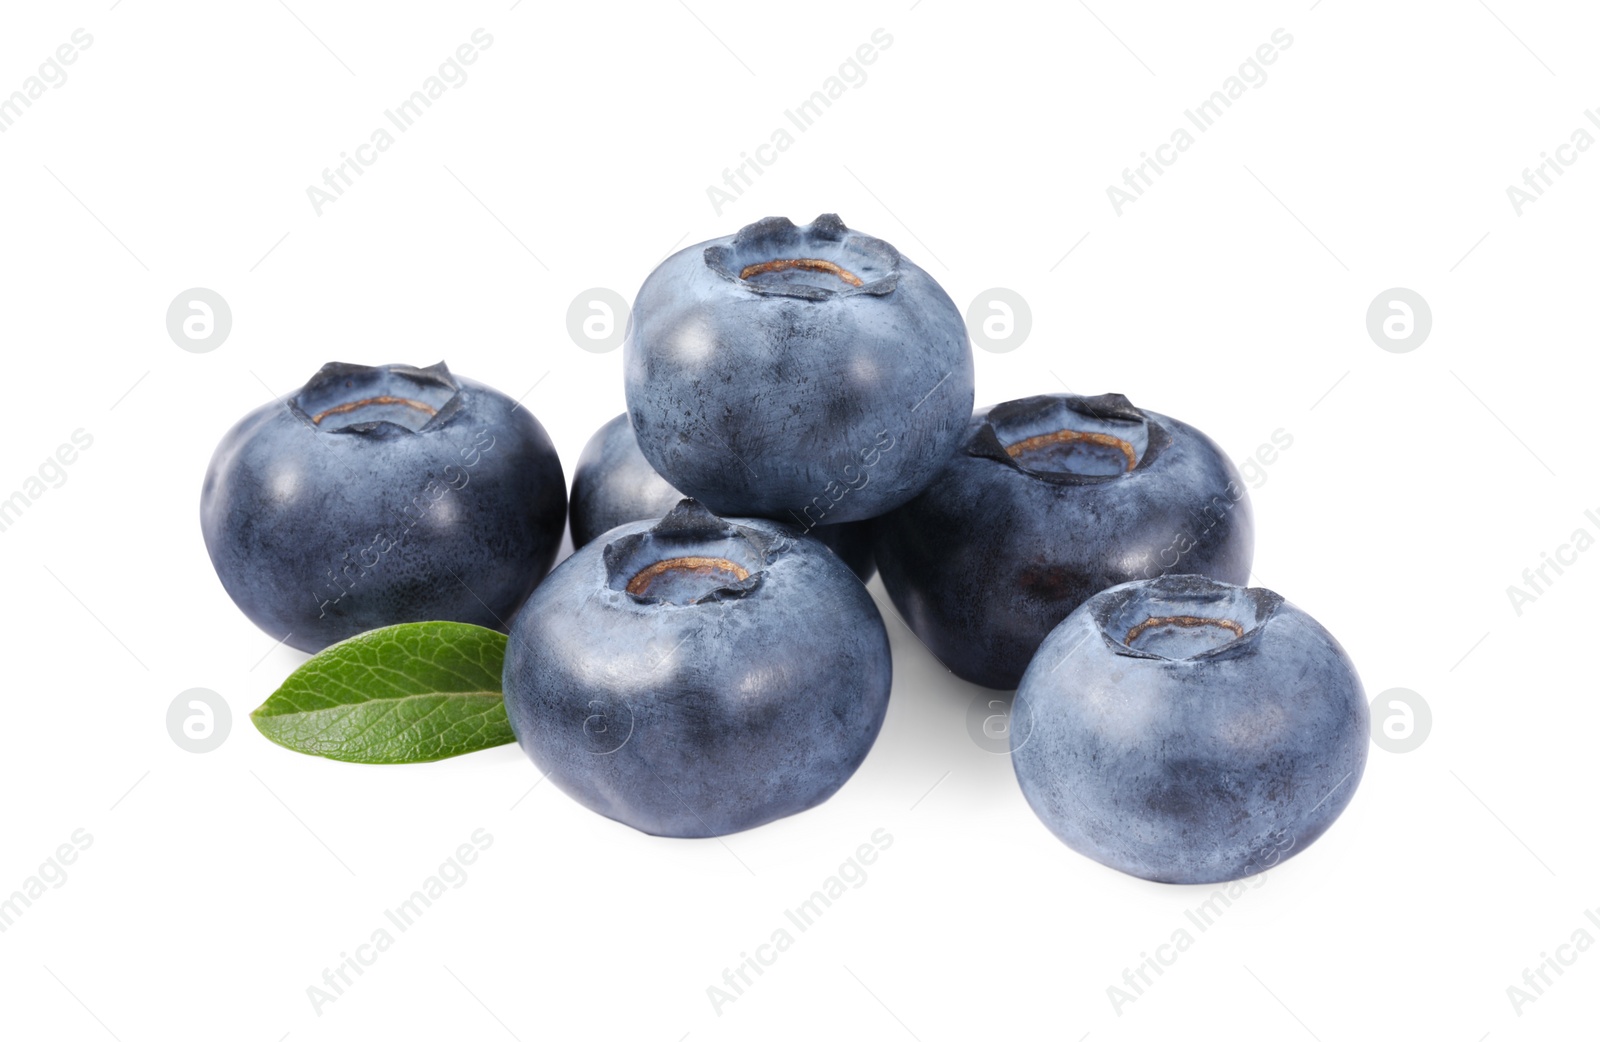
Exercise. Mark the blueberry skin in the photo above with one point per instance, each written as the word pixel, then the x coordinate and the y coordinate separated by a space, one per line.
pixel 699 719
pixel 788 392
pixel 1196 768
pixel 320 531
pixel 615 484
pixel 985 562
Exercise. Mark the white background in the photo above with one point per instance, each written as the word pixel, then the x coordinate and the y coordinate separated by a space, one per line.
pixel 1233 295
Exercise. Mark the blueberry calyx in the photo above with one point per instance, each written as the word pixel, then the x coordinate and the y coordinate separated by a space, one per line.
pixel 377 400
pixel 817 261
pixel 1184 618
pixel 691 556
pixel 1069 439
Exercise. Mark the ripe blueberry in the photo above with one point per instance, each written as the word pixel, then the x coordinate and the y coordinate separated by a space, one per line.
pixel 808 374
pixel 382 494
pixel 1049 500
pixel 695 676
pixel 1189 731
pixel 615 484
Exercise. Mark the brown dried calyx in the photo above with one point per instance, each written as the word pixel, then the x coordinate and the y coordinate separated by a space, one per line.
pixel 382 399
pixel 717 567
pixel 801 264
pixel 1181 620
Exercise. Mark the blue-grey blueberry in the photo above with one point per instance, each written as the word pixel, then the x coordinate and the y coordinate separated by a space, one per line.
pixel 1049 500
pixel 810 374
pixel 695 676
pixel 614 484
pixel 376 495
pixel 1189 731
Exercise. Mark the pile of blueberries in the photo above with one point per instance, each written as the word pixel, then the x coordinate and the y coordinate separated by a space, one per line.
pixel 800 414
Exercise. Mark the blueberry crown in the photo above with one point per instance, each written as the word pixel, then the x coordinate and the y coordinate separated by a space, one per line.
pixel 817 261
pixel 1070 439
pixel 344 398
pixel 1182 617
pixel 691 556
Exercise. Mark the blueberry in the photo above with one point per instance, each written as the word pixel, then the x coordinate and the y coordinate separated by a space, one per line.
pixel 382 494
pixel 852 542
pixel 615 484
pixel 695 676
pixel 809 374
pixel 1049 500
pixel 1189 731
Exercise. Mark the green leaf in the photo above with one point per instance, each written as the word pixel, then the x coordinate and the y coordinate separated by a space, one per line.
pixel 410 693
